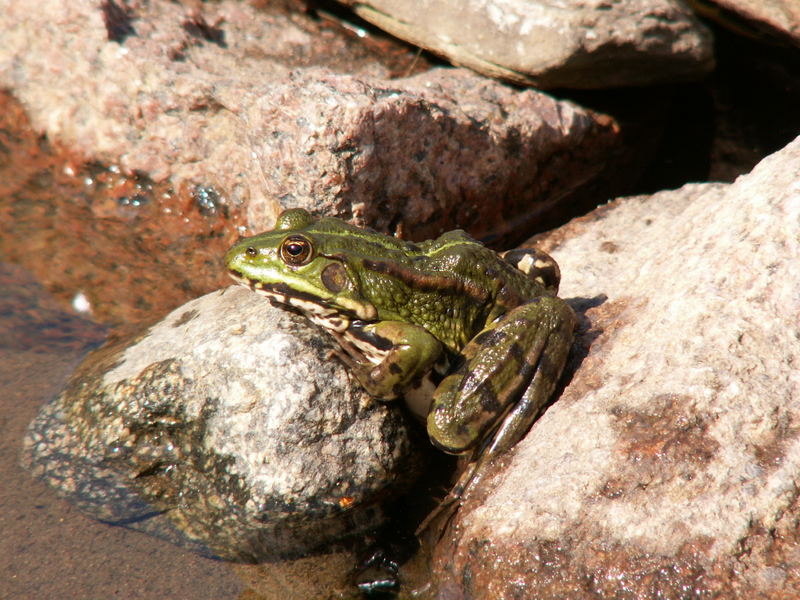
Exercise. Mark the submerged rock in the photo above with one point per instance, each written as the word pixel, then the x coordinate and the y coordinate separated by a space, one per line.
pixel 225 428
pixel 670 461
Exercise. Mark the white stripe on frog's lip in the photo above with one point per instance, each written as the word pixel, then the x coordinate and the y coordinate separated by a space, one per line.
pixel 369 351
pixel 350 308
pixel 328 318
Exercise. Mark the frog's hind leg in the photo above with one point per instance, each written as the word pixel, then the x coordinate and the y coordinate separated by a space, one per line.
pixel 511 370
pixel 550 361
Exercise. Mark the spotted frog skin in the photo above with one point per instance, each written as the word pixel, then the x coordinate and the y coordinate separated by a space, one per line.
pixel 474 341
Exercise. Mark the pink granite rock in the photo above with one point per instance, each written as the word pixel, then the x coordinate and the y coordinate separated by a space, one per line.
pixel 670 461
pixel 251 103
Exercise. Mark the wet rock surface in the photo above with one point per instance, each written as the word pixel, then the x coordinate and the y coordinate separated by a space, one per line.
pixel 581 44
pixel 225 428
pixel 119 247
pixel 669 462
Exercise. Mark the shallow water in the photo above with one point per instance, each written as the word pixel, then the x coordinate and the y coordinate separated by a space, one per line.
pixel 77 240
pixel 50 550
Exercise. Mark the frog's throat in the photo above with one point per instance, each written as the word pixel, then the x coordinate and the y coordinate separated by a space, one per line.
pixel 334 319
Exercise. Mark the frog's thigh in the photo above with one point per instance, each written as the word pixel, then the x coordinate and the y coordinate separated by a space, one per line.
pixel 411 352
pixel 511 369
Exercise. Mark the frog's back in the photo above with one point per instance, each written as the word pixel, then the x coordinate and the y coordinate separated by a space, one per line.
pixel 452 286
pixel 506 280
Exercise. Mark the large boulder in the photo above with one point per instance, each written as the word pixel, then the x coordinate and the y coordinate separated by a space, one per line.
pixel 670 462
pixel 228 429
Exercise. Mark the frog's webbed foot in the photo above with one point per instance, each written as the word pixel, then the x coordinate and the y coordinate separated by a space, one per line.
pixel 437 521
pixel 362 357
pixel 347 353
pixel 360 368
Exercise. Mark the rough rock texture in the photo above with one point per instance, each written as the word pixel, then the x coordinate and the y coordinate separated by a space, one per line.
pixel 206 94
pixel 668 468
pixel 226 427
pixel 585 44
pixel 780 18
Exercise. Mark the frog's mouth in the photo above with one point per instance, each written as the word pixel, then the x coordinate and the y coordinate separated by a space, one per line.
pixel 312 307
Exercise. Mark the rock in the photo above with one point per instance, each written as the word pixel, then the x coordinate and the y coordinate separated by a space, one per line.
pixel 779 19
pixel 225 428
pixel 249 103
pixel 473 139
pixel 583 44
pixel 668 467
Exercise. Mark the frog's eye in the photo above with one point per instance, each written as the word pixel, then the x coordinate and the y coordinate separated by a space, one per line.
pixel 296 250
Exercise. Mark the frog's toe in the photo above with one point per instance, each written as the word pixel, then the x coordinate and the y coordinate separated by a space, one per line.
pixel 447 432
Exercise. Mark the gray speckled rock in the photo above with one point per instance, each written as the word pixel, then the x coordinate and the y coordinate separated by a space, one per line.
pixel 584 44
pixel 668 468
pixel 225 427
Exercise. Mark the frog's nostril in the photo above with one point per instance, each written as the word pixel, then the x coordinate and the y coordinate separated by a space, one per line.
pixel 251 252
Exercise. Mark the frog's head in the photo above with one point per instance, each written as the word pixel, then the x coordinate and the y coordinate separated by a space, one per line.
pixel 290 265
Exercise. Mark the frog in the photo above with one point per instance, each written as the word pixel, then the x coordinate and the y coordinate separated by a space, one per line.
pixel 474 341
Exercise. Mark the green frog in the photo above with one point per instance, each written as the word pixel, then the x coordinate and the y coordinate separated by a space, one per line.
pixel 474 341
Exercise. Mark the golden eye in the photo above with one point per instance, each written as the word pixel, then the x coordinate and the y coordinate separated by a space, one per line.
pixel 296 250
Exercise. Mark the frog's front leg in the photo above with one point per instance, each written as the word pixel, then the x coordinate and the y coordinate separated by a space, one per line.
pixel 387 357
pixel 510 370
